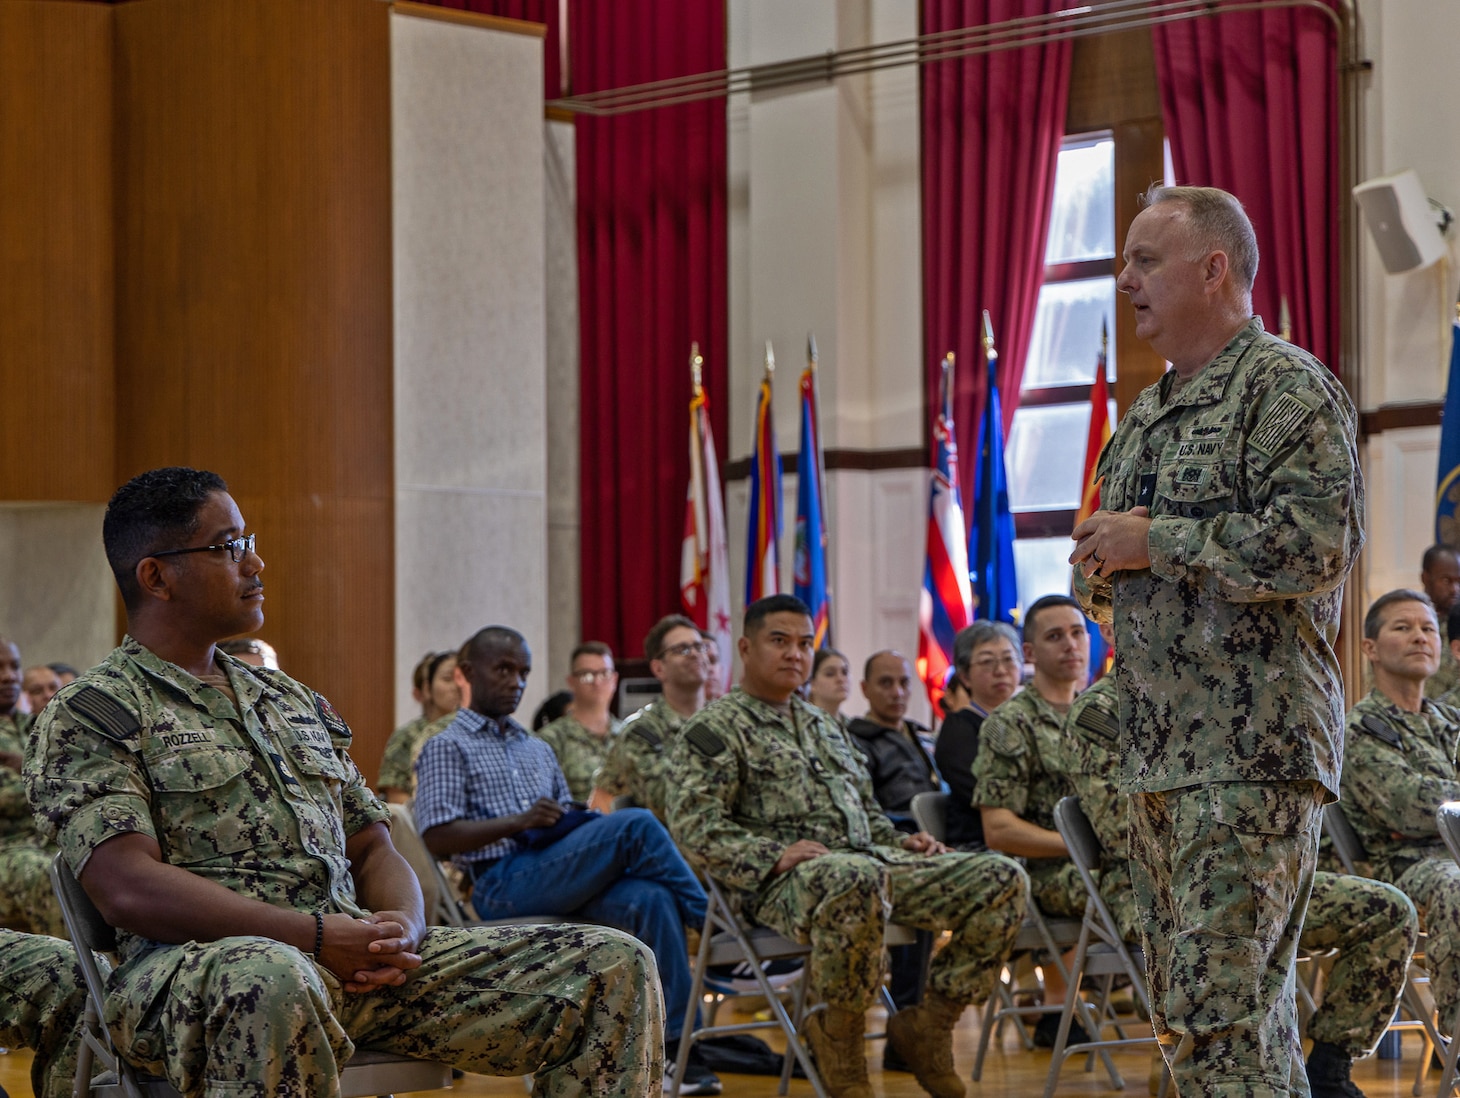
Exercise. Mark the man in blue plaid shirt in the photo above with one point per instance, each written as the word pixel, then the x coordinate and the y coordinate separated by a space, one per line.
pixel 493 797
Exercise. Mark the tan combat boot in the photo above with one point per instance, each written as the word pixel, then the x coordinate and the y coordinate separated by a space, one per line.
pixel 923 1037
pixel 835 1037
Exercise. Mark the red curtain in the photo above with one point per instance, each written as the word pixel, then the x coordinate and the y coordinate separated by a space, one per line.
pixel 532 11
pixel 992 127
pixel 1250 101
pixel 653 267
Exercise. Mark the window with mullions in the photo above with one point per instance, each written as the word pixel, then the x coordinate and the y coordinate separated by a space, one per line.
pixel 1046 449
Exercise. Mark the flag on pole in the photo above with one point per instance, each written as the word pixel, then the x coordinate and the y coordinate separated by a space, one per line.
pixel 704 566
pixel 1099 433
pixel 945 602
pixel 762 558
pixel 810 561
pixel 1447 490
pixel 991 538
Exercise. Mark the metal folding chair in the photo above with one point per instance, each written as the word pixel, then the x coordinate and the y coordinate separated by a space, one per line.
pixel 1417 1001
pixel 726 939
pixel 368 1073
pixel 1100 952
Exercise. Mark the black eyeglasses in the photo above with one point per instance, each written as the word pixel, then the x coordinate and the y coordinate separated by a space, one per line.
pixel 235 547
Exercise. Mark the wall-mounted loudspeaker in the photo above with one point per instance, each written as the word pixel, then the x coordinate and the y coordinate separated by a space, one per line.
pixel 1401 220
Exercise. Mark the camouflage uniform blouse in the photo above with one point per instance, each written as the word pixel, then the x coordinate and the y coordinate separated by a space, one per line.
pixel 580 753
pixel 1399 767
pixel 750 780
pixel 638 760
pixel 258 797
pixel 1224 659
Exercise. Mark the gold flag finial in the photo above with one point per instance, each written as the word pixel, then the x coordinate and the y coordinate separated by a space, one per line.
pixel 811 358
pixel 770 360
pixel 1104 336
pixel 696 367
pixel 1285 320
pixel 988 335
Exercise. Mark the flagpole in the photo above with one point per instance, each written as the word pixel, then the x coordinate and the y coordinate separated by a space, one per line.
pixel 696 368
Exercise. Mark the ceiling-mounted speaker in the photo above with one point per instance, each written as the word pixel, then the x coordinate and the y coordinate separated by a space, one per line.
pixel 1401 220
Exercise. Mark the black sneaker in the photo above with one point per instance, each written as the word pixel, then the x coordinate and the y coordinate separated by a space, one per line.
pixel 1047 1031
pixel 698 1079
pixel 739 979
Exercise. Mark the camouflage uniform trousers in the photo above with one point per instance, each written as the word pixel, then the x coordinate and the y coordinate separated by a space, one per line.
pixel 26 899
pixel 1221 875
pixel 1056 888
pixel 1434 886
pixel 42 1007
pixel 841 903
pixel 249 1017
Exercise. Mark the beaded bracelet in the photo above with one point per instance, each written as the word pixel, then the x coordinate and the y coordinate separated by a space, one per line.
pixel 318 933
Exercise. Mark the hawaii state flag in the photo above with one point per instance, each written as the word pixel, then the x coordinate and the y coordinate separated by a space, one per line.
pixel 704 567
pixel 762 559
pixel 810 561
pixel 944 607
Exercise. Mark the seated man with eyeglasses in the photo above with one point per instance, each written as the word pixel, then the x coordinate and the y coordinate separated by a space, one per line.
pixel 266 925
pixel 492 796
pixel 638 763
pixel 581 737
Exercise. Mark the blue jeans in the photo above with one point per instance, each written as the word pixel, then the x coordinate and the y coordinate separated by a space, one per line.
pixel 622 871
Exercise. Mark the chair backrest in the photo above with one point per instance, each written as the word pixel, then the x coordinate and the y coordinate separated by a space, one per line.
pixel 1346 842
pixel 1447 816
pixel 1078 833
pixel 441 906
pixel 930 810
pixel 88 929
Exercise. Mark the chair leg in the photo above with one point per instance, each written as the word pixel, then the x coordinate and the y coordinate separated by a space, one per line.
pixel 986 1031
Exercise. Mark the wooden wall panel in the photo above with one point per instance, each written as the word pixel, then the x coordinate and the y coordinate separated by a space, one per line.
pixel 254 331
pixel 56 246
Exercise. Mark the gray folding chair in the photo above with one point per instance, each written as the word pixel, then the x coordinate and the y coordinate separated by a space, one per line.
pixel 726 939
pixel 367 1073
pixel 1100 952
pixel 1417 1000
pixel 930 811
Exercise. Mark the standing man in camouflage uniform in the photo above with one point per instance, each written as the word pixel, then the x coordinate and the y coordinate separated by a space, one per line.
pixel 26 899
pixel 266 924
pixel 1232 510
pixel 582 736
pixel 1440 576
pixel 1019 775
pixel 638 761
pixel 1371 925
pixel 1399 767
pixel 773 801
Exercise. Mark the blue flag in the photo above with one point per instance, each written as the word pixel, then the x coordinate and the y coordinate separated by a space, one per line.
pixel 810 563
pixel 991 537
pixel 1447 491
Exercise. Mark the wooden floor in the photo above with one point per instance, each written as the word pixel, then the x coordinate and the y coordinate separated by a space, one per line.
pixel 1009 1072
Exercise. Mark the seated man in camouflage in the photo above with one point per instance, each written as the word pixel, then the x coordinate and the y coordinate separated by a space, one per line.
pixel 1372 926
pixel 638 761
pixel 265 923
pixel 1018 779
pixel 26 899
pixel 434 686
pixel 42 1002
pixel 1399 765
pixel 773 801
pixel 582 736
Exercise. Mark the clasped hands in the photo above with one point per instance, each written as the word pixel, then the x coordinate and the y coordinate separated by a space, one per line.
pixel 1113 541
pixel 803 850
pixel 370 952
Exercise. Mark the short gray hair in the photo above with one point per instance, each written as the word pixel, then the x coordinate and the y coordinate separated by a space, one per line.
pixel 979 634
pixel 1219 223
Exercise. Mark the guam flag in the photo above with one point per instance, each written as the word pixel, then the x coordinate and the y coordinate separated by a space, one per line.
pixel 1447 491
pixel 991 540
pixel 945 602
pixel 810 563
